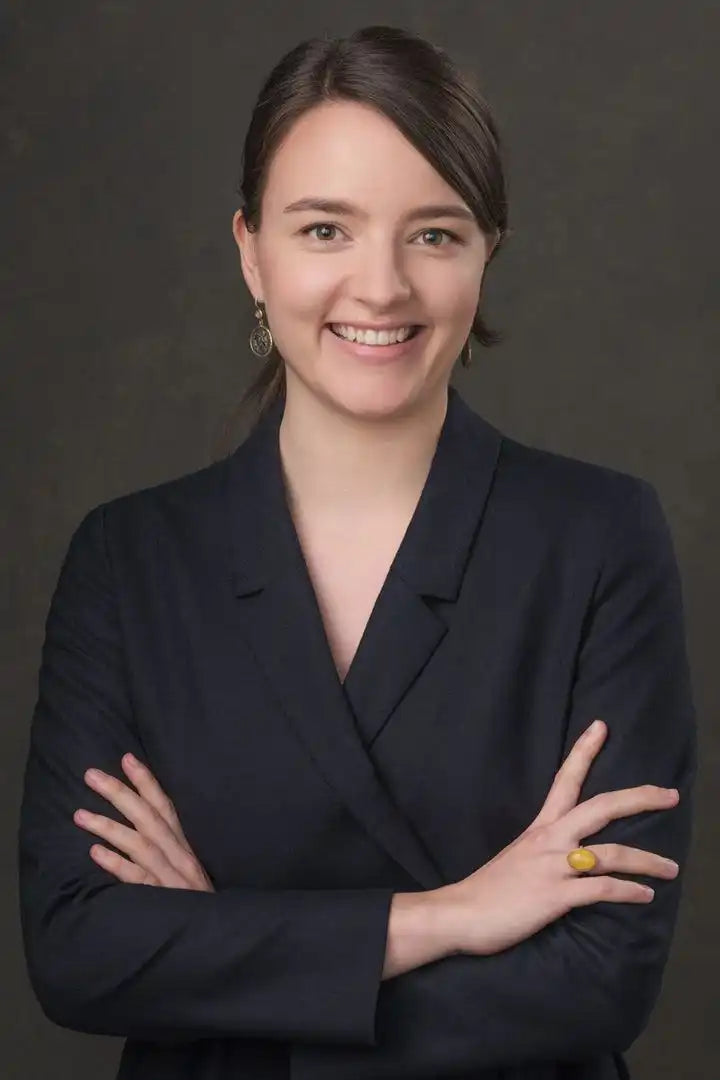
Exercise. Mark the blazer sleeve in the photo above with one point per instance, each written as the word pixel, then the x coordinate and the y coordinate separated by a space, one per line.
pixel 586 984
pixel 113 958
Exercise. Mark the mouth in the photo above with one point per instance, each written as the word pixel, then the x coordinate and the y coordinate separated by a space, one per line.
pixel 407 350
pixel 414 331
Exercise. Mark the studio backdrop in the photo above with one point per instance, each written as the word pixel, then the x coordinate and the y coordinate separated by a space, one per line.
pixel 125 325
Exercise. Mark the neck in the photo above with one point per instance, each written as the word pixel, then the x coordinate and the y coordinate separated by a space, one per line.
pixel 336 464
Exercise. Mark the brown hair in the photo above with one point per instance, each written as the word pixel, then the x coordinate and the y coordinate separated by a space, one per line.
pixel 419 88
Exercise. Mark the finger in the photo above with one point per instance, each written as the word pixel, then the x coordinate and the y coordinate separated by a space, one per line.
pixel 151 791
pixel 147 821
pixel 571 775
pixel 622 859
pixel 121 868
pixel 594 890
pixel 588 817
pixel 142 851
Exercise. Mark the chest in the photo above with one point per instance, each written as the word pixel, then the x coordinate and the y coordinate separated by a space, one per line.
pixel 347 572
pixel 460 701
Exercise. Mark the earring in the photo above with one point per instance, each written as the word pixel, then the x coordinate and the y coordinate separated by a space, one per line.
pixel 261 339
pixel 466 354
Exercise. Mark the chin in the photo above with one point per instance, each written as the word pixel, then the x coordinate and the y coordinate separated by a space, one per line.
pixel 384 399
pixel 374 395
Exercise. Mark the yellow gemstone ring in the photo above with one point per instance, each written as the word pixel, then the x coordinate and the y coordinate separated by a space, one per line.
pixel 582 859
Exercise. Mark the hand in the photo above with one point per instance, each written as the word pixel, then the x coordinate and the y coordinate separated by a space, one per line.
pixel 159 852
pixel 529 883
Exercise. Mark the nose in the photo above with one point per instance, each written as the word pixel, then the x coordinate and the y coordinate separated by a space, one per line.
pixel 379 278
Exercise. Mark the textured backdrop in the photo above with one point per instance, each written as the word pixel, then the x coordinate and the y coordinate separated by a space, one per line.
pixel 124 323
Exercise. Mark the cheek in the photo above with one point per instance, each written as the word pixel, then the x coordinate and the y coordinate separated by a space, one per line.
pixel 454 306
pixel 449 290
pixel 303 293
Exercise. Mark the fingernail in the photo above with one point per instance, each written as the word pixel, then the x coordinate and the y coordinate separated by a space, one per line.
pixel 93 774
pixel 595 726
pixel 130 760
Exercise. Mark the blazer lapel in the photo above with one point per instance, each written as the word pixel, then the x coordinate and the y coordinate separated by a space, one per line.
pixel 405 630
pixel 280 617
pixel 281 620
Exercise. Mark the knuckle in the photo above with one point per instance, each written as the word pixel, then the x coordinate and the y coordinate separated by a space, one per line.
pixel 605 888
pixel 157 825
pixel 538 837
pixel 146 848
pixel 187 865
pixel 109 827
pixel 614 853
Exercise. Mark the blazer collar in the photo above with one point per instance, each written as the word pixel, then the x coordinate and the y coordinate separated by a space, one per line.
pixel 280 618
pixel 434 551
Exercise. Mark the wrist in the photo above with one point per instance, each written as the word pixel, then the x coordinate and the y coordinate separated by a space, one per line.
pixel 417 932
pixel 443 919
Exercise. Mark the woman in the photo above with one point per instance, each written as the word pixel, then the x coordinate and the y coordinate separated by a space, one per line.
pixel 357 662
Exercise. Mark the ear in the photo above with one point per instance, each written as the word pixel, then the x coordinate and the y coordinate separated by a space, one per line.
pixel 490 245
pixel 247 247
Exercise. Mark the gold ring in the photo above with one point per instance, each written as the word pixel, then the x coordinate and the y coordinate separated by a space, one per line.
pixel 582 859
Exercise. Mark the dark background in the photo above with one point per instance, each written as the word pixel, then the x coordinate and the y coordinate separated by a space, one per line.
pixel 124 323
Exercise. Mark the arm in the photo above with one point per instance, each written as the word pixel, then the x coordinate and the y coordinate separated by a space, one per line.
pixel 586 984
pixel 114 958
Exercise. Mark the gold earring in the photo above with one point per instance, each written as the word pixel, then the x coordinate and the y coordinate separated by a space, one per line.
pixel 466 354
pixel 261 339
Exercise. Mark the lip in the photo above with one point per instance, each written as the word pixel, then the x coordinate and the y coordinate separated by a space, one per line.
pixel 370 325
pixel 377 354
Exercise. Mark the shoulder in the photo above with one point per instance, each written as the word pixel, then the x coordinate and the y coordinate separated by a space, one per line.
pixel 558 487
pixel 183 507
pixel 584 513
pixel 544 484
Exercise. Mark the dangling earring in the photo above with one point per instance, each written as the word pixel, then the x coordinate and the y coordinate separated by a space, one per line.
pixel 261 339
pixel 466 354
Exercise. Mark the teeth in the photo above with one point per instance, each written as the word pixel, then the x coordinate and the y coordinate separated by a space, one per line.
pixel 372 337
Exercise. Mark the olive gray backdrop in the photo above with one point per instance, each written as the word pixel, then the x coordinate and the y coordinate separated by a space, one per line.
pixel 124 324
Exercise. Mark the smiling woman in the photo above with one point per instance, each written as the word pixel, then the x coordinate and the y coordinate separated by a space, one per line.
pixel 329 697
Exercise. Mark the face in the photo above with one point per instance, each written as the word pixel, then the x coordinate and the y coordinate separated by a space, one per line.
pixel 380 260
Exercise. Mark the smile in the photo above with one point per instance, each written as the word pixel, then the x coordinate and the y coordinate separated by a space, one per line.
pixel 385 336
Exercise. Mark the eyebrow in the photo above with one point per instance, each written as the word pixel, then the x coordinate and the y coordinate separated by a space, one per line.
pixel 342 208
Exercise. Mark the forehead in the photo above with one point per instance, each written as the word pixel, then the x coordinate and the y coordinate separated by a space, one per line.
pixel 351 151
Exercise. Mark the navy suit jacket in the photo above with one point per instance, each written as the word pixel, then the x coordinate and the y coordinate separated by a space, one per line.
pixel 531 593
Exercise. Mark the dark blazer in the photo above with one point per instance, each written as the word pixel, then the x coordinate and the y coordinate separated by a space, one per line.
pixel 531 593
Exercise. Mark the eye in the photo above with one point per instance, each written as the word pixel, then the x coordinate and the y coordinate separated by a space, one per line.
pixel 454 238
pixel 318 225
